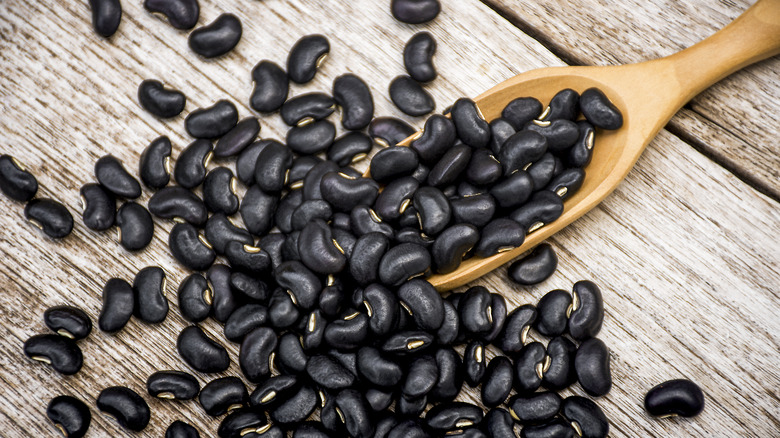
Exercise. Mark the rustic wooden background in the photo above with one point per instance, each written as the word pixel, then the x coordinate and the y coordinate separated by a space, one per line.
pixel 686 250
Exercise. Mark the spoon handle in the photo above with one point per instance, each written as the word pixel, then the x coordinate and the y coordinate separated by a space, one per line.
pixel 752 37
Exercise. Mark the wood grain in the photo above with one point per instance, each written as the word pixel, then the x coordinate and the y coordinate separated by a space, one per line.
pixel 685 253
pixel 740 133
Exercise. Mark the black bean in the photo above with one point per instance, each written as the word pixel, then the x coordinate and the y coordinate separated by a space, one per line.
pixel 410 97
pixel 377 369
pixel 247 160
pixel 354 97
pixel 544 169
pixel 296 408
pixel 450 379
pixel 306 56
pixel 311 138
pixel 290 247
pixel 522 149
pixel 438 136
pixel 599 110
pixel 290 357
pixel 223 395
pixel 364 220
pixel 216 38
pixel 498 424
pixel 560 134
pixel 348 359
pixel 453 415
pixel 378 400
pixel 466 189
pixel 190 170
pixel 408 429
pixel 273 164
pixel 60 352
pixel 190 248
pixel 385 422
pixel 543 208
pixel 347 333
pixel 180 429
pixel 470 124
pixel 299 169
pixel 484 168
pixel 211 122
pixel 536 408
pixel 118 303
pixel 201 352
pixel 407 342
pixel 154 166
pixel 556 428
pixel 381 307
pixel 160 101
pixel 477 210
pixel 319 251
pixel 521 111
pixel 15 181
pixel 306 108
pixel 474 362
pixel 499 235
pixel 271 87
pixel 585 413
pixel 389 131
pixel 135 226
pixel 282 311
pixel 311 183
pixel 673 398
pixel 514 190
pixel 286 208
pixel 395 198
pixel 415 236
pixel 328 373
pixel 195 298
pixel 245 319
pixel 219 191
pixel 497 382
pixel 224 299
pixel 498 315
pixel 178 203
pixel 591 363
pixel 149 285
pixel 345 192
pixel 106 16
pixel 299 281
pixel 314 333
pixel 273 390
pixel 331 417
pixel 238 138
pixel 475 312
pixel 272 244
pixel 581 153
pixel 113 176
pixel 68 321
pixel 423 302
pixel 349 148
pixel 561 373
pixel 181 14
pixel 530 363
pixel 126 406
pixel 220 231
pixel 172 385
pixel 536 267
pixel 421 377
pixel 411 408
pixel 552 308
pixel 257 210
pixel 392 163
pixel 403 262
pixel 243 422
pixel 418 57
pixel 448 332
pixel 309 211
pixel 451 165
pixel 415 11
pixel 433 210
pixel 500 131
pixel 70 416
pixel 564 105
pixel 452 245
pixel 587 310
pixel 310 429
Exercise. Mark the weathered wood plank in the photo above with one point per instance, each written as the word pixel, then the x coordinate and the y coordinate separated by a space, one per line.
pixel 684 252
pixel 736 122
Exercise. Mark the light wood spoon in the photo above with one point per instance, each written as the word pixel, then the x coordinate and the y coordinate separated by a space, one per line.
pixel 648 94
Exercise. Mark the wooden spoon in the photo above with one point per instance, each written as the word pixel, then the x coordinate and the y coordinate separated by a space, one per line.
pixel 647 93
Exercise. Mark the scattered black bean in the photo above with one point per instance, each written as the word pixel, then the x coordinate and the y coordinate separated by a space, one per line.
pixel 306 56
pixel 201 352
pixel 273 163
pixel 364 220
pixel 180 429
pixel 68 321
pixel 450 379
pixel 497 382
pixel 190 248
pixel 530 363
pixel 349 148
pixel 106 16
pixel 15 181
pixel 211 122
pixel 126 406
pixel 587 310
pixel 560 373
pixel 514 190
pixel 381 307
pixel 451 166
pixel 552 308
pixel 354 97
pixel 271 87
pixel 238 138
pixel 498 423
pixel 556 428
pixel 407 342
pixel 225 301
pixel 410 97
pixel 135 226
pixel 404 262
pixel 585 413
pixel 581 153
pixel 521 111
pixel 172 385
pixel 560 134
pixel 311 138
pixel 282 311
pixel 499 235
pixel 474 310
pixel 535 408
pixel 257 210
pixel 113 176
pixel 223 395
pixel 273 389
pixel 599 110
pixel 195 298
pixel 453 415
pixel 418 57
pixel 181 14
pixel 244 319
pixel 239 422
pixel 450 327
pixel 118 304
pixel 470 123
pixel 410 408
pixel 474 362
pixel 672 398
pixel 151 304
pixel 306 108
pixel 591 363
pixel 438 136
pixel 536 267
pixel 296 408
pixel 221 231
pixel 541 209
pixel 59 352
pixel 300 282
pixel 389 131
pixel 154 167
pixel 415 11
pixel 392 163
pixel 160 101
pixel 216 38
pixel 476 209
pixel 70 416
pixel 452 245
pixel 290 358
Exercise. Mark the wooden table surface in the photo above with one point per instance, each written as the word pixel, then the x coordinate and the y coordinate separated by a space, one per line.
pixel 686 249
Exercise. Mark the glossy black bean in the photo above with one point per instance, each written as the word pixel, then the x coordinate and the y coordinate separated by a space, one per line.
pixel 377 369
pixel 247 160
pixel 308 211
pixel 190 248
pixel 172 385
pixel 403 262
pixel 220 231
pixel 529 367
pixel 385 422
pixel 347 333
pixel 154 166
pixel 560 134
pixel 245 319
pixel 452 245
pixel 256 353
pixel 306 56
pixel 535 408
pixel 113 176
pixel 314 333
pixel 364 220
pixel 591 363
pixel 355 413
pixel 389 131
pixel 216 38
pixel 544 169
pixel 396 197
pixel 181 14
pixel 500 131
pixel 470 124
pixel 290 358
pixel 392 163
pixel 68 321
pixel 564 105
pixel 408 429
pixel 407 342
pixel 433 210
pixel 448 331
pixel 135 226
pixel 178 203
pixel 271 87
pixel 415 236
pixel 15 181
pixel 474 363
pixel 410 408
pixel 349 148
pixel 552 308
pixel 415 11
pixel 515 332
pixel 211 122
pixel 466 189
pixel 345 192
pixel 484 168
pixel 587 310
pixel 423 302
pixel 224 300
pixel 319 251
pixel 497 383
pixel 190 170
pixel 421 377
pixel 450 378
pixel 541 209
pixel 106 16
pixel 311 138
pixel 70 416
pixel 195 298
pixel 378 400
pixel 273 390
pixel 381 307
pixel 560 373
pixel 453 415
pixel 160 101
pixel 272 244
pixel 498 316
pixel 451 166
pixel 311 183
pixel 499 235
pixel 126 406
pixel 498 423
pixel 345 240
pixel 243 422
pixel 673 398
pixel 238 138
pixel 328 373
pixel 201 352
pixel 536 267
pixel 299 281
pixel 521 111
pixel 285 210
pixel 59 352
pixel 282 311
pixel 418 57
pixel 437 137
pixel 514 190
pixel 581 153
pixel 180 429
pixel 556 428
pixel 522 149
pixel 118 303
pixel 273 165
pixel 599 110
pixel 410 97
pixel 477 210
pixel 223 395
pixel 306 108
pixel 151 305
pixel 296 408
pixel 585 413
pixel 257 210
pixel 475 312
